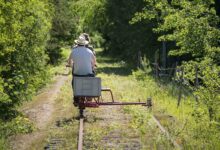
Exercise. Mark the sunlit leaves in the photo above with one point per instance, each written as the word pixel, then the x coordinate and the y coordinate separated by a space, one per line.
pixel 193 27
pixel 24 27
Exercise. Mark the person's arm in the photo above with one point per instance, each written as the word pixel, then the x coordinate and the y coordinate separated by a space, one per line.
pixel 70 61
pixel 93 61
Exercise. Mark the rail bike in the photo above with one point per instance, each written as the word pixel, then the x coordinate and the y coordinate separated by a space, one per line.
pixel 89 91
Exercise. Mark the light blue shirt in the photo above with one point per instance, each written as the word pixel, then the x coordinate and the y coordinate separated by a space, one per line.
pixel 82 58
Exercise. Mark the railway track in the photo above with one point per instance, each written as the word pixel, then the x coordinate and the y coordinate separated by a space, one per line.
pixel 88 98
pixel 80 136
pixel 156 121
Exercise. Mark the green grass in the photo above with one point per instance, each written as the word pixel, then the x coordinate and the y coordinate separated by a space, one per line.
pixel 3 144
pixel 188 123
pixel 118 76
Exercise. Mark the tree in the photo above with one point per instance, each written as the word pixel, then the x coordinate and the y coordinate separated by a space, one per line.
pixel 193 27
pixel 123 39
pixel 24 27
pixel 63 31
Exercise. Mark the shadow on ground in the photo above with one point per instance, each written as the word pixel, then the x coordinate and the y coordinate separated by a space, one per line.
pixel 122 71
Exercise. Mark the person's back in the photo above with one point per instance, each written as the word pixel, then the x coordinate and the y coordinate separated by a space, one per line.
pixel 83 58
pixel 82 61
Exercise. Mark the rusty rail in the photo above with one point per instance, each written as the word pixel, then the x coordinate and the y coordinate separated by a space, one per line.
pixel 80 138
pixel 175 144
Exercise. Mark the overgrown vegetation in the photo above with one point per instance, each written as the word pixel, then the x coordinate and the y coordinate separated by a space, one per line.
pixel 34 32
pixel 190 122
pixel 193 27
pixel 25 28
pixel 24 32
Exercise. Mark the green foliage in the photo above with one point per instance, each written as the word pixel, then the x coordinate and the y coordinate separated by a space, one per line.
pixel 143 71
pixel 19 124
pixel 97 40
pixel 207 91
pixel 139 118
pixel 193 27
pixel 124 39
pixel 110 20
pixel 63 31
pixel 189 123
pixel 89 16
pixel 2 143
pixel 71 18
pixel 24 28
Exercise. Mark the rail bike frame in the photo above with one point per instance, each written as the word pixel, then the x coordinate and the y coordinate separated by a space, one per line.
pixel 88 91
pixel 96 101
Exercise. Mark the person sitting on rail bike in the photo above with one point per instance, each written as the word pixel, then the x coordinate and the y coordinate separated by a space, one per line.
pixel 82 60
pixel 89 46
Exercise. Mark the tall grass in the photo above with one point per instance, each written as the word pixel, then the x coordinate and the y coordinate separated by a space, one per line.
pixel 189 123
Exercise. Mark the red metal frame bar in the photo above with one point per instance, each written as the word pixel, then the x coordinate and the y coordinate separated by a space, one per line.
pixel 97 104
pixel 121 103
pixel 108 90
pixel 96 101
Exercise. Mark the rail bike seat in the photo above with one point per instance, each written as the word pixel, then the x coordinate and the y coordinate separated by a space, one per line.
pixel 87 86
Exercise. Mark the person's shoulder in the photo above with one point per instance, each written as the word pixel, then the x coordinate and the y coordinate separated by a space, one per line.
pixel 90 47
pixel 76 49
pixel 89 50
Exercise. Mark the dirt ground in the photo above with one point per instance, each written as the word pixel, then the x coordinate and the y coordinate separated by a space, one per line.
pixel 40 112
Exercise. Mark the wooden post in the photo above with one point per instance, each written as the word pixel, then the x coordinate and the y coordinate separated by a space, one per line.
pixel 156 70
pixel 180 88
pixel 175 70
pixel 172 71
pixel 196 80
pixel 149 101
pixel 164 56
pixel 196 76
pixel 139 60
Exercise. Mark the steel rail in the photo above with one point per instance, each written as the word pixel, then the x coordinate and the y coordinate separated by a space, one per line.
pixel 80 137
pixel 175 144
